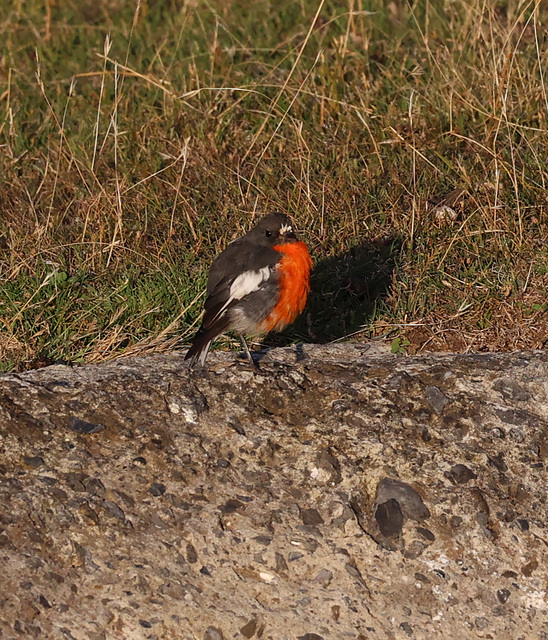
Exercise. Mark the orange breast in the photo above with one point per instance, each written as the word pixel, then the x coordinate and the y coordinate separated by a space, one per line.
pixel 294 270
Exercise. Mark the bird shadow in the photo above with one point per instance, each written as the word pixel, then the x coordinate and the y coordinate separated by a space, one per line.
pixel 345 290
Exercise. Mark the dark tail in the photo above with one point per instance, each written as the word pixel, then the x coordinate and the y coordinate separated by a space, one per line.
pixel 202 341
pixel 199 350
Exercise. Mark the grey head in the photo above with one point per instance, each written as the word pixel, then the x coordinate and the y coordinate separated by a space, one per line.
pixel 274 229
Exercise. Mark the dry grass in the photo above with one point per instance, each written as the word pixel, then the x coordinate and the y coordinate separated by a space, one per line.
pixel 408 141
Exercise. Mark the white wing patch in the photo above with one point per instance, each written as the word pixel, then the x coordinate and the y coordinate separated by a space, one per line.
pixel 243 285
pixel 247 282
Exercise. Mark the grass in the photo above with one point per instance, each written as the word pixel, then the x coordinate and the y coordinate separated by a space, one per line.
pixel 407 140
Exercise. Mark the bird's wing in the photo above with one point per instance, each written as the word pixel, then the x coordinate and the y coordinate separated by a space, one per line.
pixel 238 271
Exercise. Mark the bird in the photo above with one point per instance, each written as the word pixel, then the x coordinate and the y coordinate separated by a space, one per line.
pixel 259 283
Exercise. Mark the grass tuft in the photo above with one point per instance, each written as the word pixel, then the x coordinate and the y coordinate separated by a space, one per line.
pixel 407 140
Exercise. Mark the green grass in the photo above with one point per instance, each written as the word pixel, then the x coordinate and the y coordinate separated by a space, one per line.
pixel 123 176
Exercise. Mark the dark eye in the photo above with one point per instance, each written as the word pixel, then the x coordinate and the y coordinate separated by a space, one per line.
pixel 268 233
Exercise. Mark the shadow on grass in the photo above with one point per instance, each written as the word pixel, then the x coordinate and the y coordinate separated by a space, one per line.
pixel 346 290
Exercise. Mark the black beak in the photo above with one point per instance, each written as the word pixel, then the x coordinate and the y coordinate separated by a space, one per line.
pixel 290 236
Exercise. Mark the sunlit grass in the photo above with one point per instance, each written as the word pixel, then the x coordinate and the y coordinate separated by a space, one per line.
pixel 406 140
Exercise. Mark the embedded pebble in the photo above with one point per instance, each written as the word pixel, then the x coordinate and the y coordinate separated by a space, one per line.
pixel 84 427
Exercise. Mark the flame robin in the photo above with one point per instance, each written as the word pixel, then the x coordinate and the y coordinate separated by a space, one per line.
pixel 259 283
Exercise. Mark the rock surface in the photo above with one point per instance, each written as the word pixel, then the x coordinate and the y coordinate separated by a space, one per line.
pixel 338 493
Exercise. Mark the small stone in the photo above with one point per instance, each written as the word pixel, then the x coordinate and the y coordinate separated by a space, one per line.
pixel 139 460
pixel 481 623
pixel 76 481
pixel 523 524
pixel 267 577
pixel 389 517
pixel 176 501
pixel 221 462
pixel 503 595
pixel 33 461
pixel 528 568
pixel 409 500
pixel 294 555
pixel 55 577
pixel 414 550
pixel 191 555
pixel 88 513
pixel 512 575
pixel 444 214
pixel 520 493
pixel 324 577
pixel 205 571
pixel 511 390
pixel 83 427
pixel 517 417
pixel 237 428
pixel 329 463
pixel 311 517
pixel 281 564
pixel 34 536
pixel 230 506
pixel 461 474
pixel 248 630
pixel 157 489
pixel 310 636
pixel 146 624
pixel 407 628
pixel 436 398
pixel 213 633
pixel 352 570
pixel 44 602
pixel 114 510
pixel 426 533
pixel 94 486
pixel 498 461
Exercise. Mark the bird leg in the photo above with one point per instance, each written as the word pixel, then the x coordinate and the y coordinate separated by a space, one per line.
pixel 248 352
